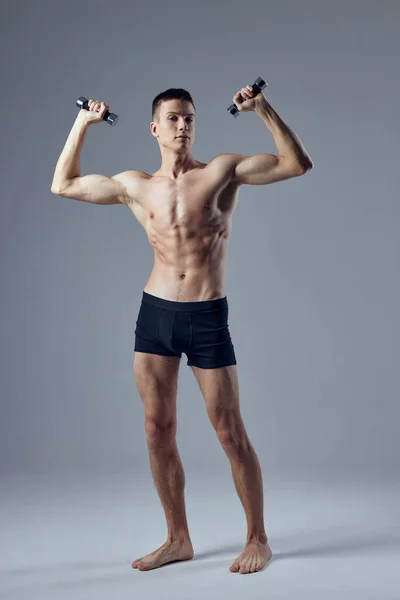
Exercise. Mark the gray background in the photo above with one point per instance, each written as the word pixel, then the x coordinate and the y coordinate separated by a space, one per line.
pixel 312 284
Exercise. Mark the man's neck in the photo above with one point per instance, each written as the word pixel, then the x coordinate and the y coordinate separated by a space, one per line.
pixel 177 166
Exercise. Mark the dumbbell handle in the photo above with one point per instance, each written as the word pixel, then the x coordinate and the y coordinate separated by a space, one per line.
pixel 110 118
pixel 257 86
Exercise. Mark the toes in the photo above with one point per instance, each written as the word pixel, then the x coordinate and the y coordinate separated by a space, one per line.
pixel 136 562
pixel 244 567
pixel 249 567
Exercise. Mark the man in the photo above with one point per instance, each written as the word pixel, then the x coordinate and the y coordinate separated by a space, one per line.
pixel 186 209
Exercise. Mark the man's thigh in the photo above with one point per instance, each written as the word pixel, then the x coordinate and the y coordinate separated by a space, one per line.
pixel 220 389
pixel 156 379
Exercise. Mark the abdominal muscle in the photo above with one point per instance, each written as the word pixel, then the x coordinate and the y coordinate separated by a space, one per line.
pixel 189 271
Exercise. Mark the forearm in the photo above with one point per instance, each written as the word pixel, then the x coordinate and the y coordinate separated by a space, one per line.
pixel 68 165
pixel 286 141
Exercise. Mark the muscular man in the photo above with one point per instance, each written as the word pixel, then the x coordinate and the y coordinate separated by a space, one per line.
pixel 186 209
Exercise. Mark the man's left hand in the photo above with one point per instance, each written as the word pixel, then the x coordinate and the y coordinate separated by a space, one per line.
pixel 245 99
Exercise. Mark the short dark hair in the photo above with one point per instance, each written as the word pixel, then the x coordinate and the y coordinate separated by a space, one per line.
pixel 170 94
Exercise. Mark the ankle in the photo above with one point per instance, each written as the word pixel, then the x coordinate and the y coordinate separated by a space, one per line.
pixel 260 538
pixel 179 537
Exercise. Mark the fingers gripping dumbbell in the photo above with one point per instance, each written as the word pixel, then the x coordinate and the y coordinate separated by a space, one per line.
pixel 257 86
pixel 110 118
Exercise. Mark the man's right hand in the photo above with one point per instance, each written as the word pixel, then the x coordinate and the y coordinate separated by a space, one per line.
pixel 95 113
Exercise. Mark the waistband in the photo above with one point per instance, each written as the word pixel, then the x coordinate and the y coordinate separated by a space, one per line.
pixel 192 306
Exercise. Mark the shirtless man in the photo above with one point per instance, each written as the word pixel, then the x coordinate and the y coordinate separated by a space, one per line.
pixel 186 209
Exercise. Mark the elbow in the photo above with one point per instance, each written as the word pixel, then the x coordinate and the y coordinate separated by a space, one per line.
pixel 306 166
pixel 61 187
pixel 301 167
pixel 56 189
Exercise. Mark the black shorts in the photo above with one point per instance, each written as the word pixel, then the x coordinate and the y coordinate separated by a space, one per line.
pixel 199 329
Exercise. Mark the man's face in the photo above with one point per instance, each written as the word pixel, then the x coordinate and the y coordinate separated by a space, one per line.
pixel 177 119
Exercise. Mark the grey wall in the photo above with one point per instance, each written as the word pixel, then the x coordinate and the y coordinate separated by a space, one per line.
pixel 312 283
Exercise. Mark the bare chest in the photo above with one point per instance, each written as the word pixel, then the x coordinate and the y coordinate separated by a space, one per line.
pixel 198 201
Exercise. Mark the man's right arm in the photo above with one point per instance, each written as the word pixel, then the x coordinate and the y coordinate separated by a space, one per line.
pixel 97 189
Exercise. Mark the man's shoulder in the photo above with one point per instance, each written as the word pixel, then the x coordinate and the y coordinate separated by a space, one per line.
pixel 132 180
pixel 225 157
pixel 224 164
pixel 225 160
pixel 131 175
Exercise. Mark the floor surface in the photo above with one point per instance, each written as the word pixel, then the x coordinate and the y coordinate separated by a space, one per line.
pixel 75 536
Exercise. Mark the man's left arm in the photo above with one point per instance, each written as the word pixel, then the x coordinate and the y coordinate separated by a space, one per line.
pixel 292 159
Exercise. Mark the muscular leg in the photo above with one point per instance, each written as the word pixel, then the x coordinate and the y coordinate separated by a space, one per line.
pixel 157 380
pixel 220 389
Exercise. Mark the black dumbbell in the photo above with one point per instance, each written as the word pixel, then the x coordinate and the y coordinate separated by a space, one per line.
pixel 110 118
pixel 257 86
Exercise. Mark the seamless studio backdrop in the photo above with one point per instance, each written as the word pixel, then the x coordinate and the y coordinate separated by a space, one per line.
pixel 312 278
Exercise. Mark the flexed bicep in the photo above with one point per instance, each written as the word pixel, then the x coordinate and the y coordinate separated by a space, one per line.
pixel 94 188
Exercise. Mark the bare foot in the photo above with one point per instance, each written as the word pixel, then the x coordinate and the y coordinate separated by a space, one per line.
pixel 253 558
pixel 168 552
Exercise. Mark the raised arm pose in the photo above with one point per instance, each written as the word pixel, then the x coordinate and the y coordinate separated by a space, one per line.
pixel 186 210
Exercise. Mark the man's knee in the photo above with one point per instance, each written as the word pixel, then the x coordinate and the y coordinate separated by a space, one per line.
pixel 233 437
pixel 160 432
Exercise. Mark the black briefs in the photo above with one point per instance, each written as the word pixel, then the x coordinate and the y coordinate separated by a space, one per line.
pixel 199 329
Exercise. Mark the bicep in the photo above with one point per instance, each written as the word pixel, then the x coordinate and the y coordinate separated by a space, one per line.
pixel 262 169
pixel 97 189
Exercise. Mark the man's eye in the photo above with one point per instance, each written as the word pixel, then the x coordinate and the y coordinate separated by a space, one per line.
pixel 189 119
